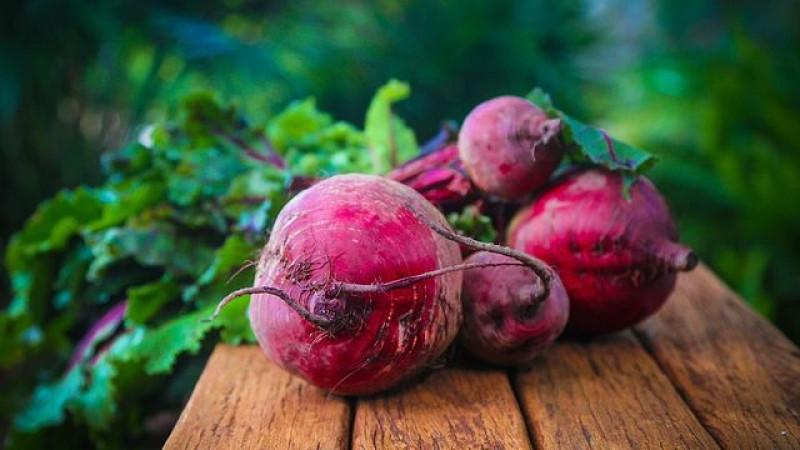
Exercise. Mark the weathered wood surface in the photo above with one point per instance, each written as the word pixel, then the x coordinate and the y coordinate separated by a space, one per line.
pixel 452 409
pixel 606 393
pixel 705 372
pixel 244 401
pixel 737 372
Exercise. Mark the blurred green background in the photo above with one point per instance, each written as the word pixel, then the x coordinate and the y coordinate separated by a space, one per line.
pixel 710 86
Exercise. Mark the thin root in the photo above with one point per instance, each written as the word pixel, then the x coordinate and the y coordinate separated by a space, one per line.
pixel 538 266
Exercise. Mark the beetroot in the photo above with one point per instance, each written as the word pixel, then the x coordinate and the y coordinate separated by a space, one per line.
pixel 505 322
pixel 617 257
pixel 509 147
pixel 319 308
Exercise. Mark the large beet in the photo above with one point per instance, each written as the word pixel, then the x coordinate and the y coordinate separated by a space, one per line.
pixel 617 257
pixel 361 230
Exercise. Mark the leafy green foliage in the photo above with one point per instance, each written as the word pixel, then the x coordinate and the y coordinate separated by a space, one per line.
pixel 175 227
pixel 472 223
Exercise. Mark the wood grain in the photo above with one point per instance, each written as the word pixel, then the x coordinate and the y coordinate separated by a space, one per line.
pixel 451 409
pixel 244 401
pixel 738 373
pixel 605 393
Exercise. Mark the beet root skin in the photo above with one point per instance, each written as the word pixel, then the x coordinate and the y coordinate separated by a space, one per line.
pixel 617 258
pixel 503 322
pixel 509 147
pixel 357 229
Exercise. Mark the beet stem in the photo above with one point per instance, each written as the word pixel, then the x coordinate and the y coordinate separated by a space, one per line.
pixel 321 322
pixel 374 288
pixel 539 267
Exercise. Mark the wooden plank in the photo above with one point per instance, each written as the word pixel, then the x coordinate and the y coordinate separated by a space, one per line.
pixel 244 401
pixel 452 409
pixel 605 393
pixel 738 373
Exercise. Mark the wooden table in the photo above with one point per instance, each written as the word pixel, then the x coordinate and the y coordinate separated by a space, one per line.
pixel 705 372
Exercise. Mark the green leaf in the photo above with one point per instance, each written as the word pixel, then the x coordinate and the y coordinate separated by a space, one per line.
pixel 235 323
pixel 542 99
pixel 146 301
pixel 160 347
pixel 297 124
pixel 472 223
pixel 203 173
pixel 126 200
pixel 154 246
pixel 49 402
pixel 97 403
pixel 389 139
pixel 53 224
pixel 233 254
pixel 594 145
pixel 602 150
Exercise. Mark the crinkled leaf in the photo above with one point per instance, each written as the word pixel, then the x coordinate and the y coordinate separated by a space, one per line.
pixel 146 301
pixel 127 200
pixel 49 402
pixel 203 173
pixel 159 246
pixel 389 139
pixel 159 347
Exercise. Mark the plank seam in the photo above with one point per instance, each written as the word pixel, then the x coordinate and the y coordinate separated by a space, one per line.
pixel 518 398
pixel 682 395
pixel 352 402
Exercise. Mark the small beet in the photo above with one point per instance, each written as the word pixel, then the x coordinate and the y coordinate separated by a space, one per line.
pixel 509 147
pixel 505 322
pixel 617 257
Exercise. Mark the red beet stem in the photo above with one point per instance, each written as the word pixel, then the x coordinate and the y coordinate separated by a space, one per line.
pixel 319 321
pixel 540 268
pixel 351 288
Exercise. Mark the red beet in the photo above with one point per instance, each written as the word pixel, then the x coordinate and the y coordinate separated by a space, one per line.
pixel 505 322
pixel 617 257
pixel 321 306
pixel 509 147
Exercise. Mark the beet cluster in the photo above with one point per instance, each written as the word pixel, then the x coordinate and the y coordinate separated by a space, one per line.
pixel 362 283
